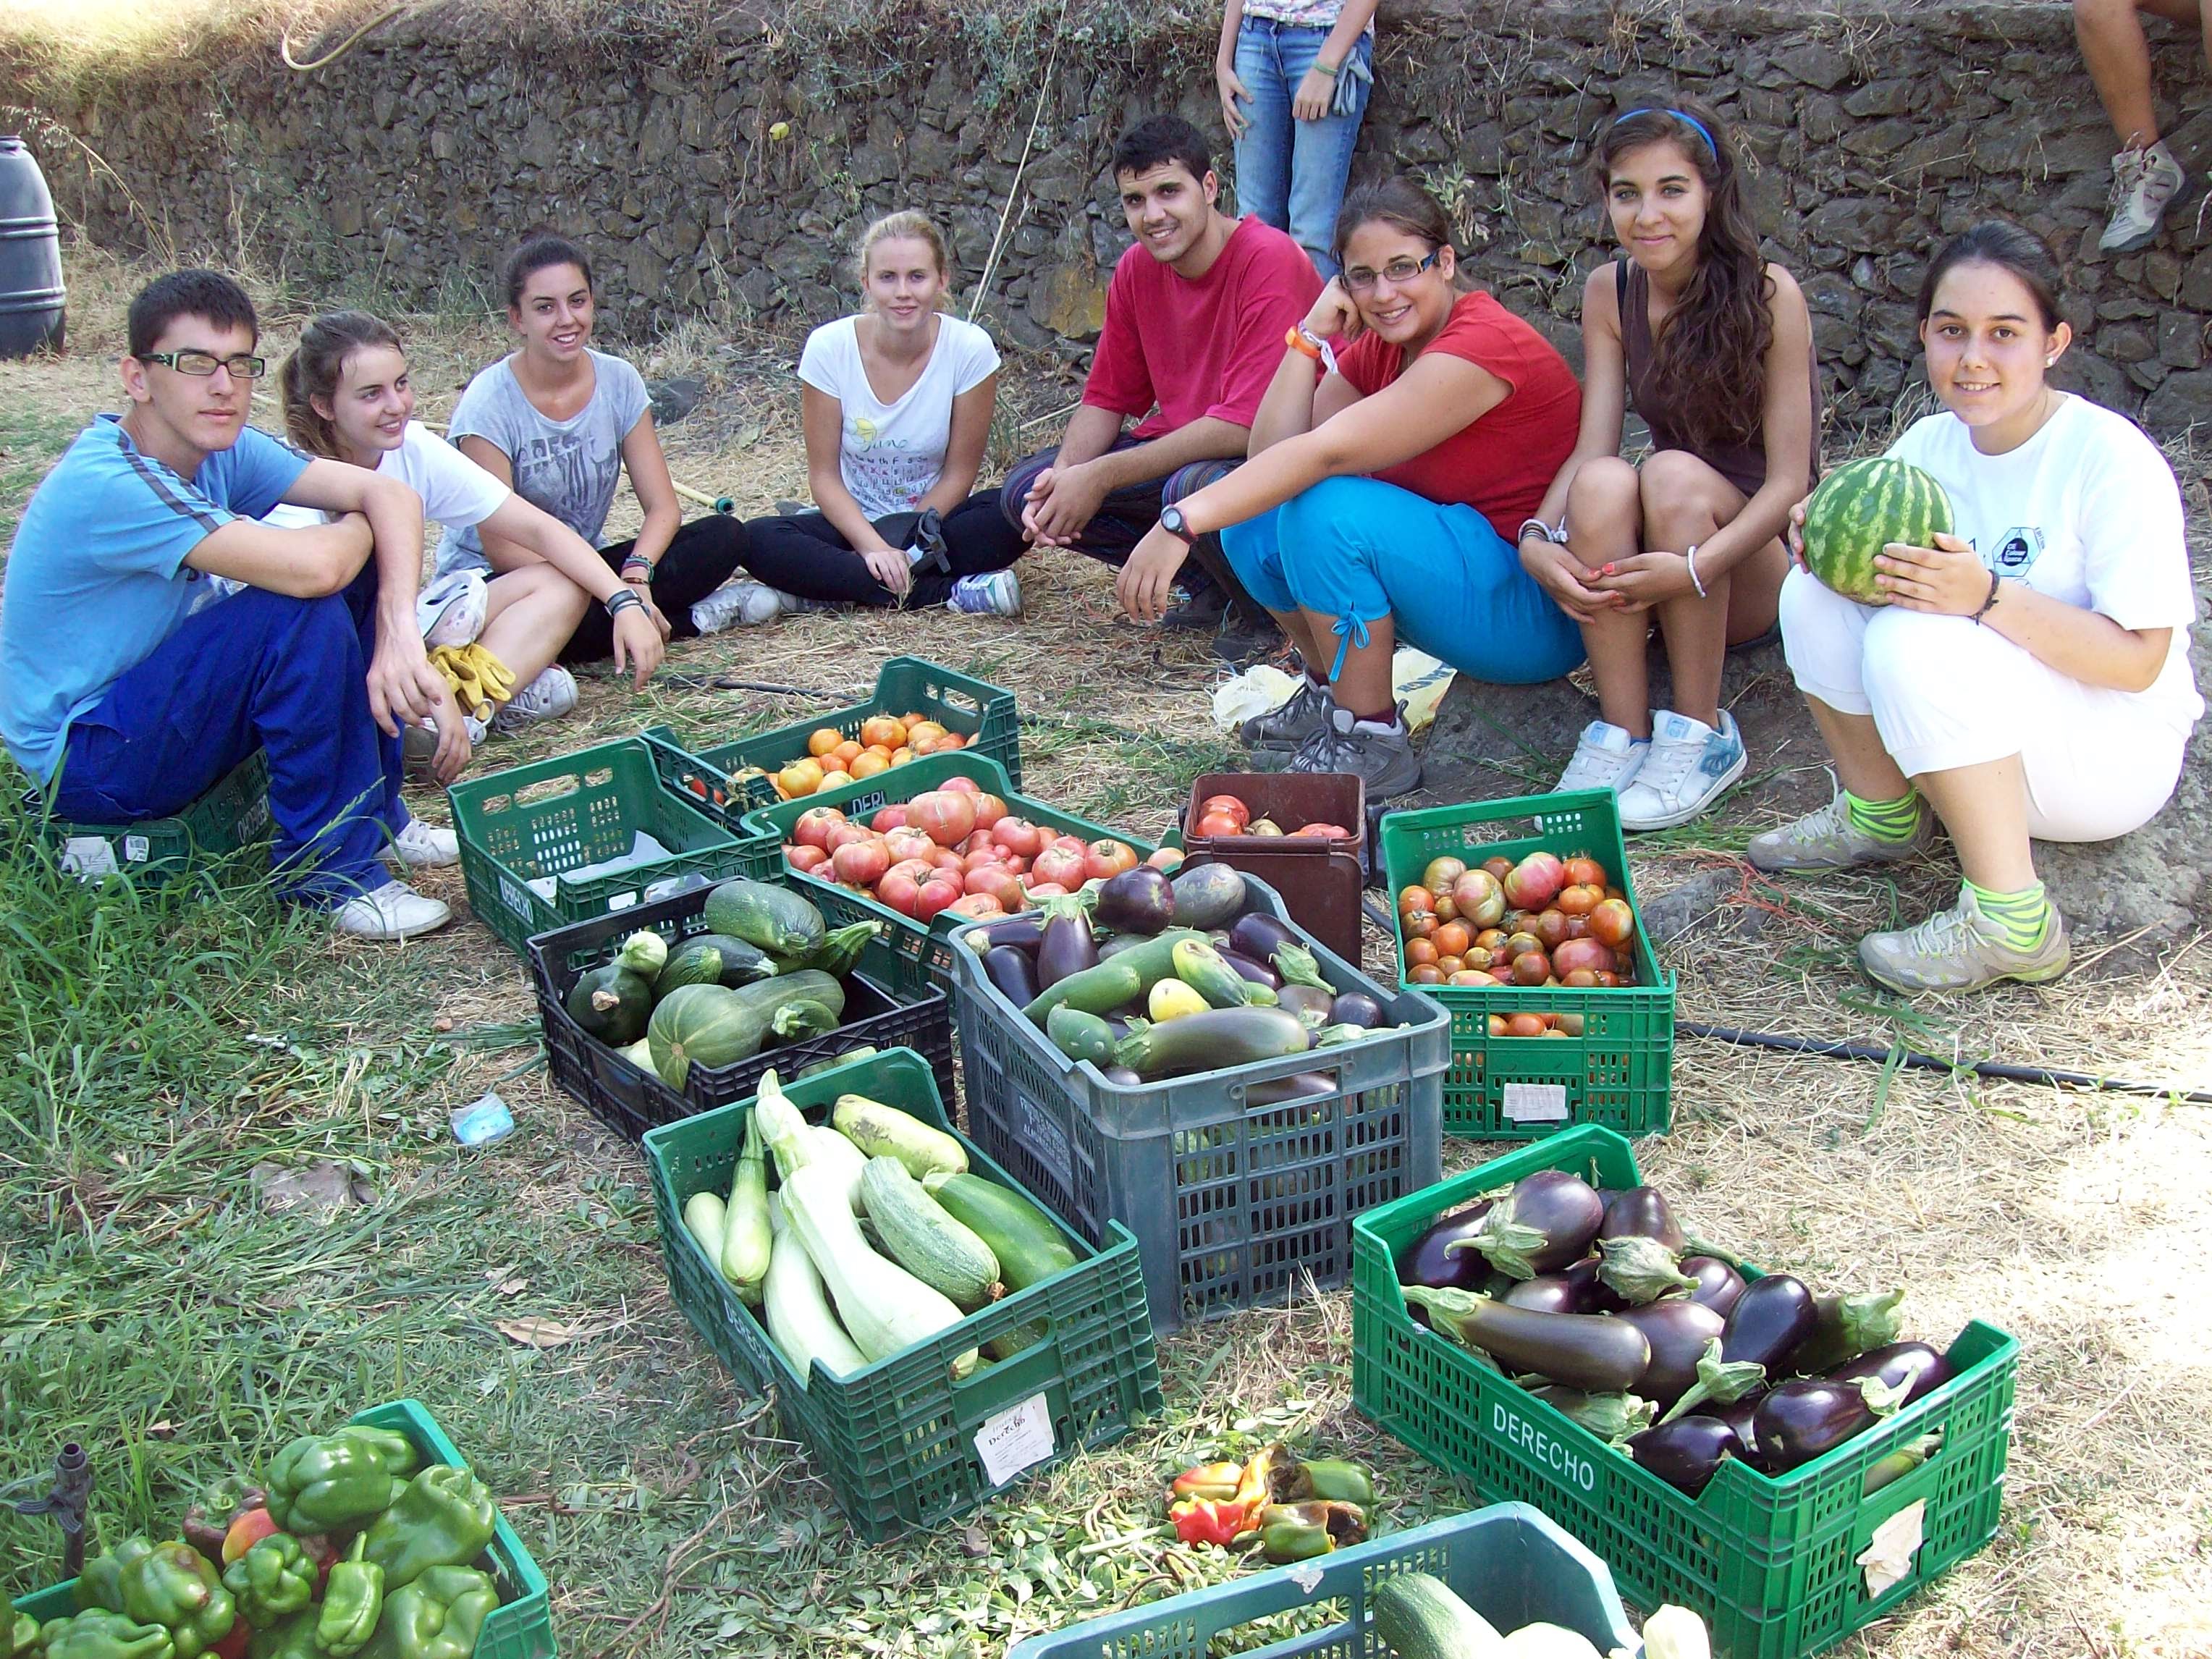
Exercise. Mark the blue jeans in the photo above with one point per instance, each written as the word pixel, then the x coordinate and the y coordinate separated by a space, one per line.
pixel 256 671
pixel 1290 174
pixel 1358 550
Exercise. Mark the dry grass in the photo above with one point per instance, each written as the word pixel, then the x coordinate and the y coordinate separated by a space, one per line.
pixel 2073 1222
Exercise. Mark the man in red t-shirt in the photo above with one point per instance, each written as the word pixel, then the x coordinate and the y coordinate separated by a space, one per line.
pixel 1196 316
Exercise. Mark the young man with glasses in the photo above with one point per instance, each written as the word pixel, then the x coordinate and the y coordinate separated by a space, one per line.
pixel 128 704
pixel 1194 320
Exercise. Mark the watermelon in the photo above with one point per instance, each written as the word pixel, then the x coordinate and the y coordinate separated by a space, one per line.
pixel 1860 508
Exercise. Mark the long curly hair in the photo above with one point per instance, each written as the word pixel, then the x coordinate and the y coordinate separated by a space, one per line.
pixel 1711 348
pixel 315 368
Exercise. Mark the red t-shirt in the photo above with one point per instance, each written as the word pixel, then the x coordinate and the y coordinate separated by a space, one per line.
pixel 1502 464
pixel 1208 347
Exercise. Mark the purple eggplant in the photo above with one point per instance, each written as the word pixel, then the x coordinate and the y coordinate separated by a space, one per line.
pixel 1737 1414
pixel 1357 1008
pixel 1594 1353
pixel 1023 932
pixel 1638 1268
pixel 1306 1001
pixel 1068 946
pixel 1547 1221
pixel 1547 1293
pixel 1686 1453
pixel 1300 1087
pixel 1120 942
pixel 1139 901
pixel 1796 1422
pixel 1845 1327
pixel 1209 896
pixel 1718 1285
pixel 1258 972
pixel 1014 972
pixel 1426 1261
pixel 1122 1075
pixel 1680 1331
pixel 1914 1367
pixel 1770 1319
pixel 1642 1213
pixel 1258 935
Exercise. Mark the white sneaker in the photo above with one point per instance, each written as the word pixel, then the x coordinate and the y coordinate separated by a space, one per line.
pixel 1689 765
pixel 548 696
pixel 1606 758
pixel 423 846
pixel 451 609
pixel 793 605
pixel 740 602
pixel 997 593
pixel 393 911
pixel 2144 181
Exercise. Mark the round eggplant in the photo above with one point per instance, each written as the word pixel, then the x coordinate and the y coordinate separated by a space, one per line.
pixel 1718 1283
pixel 1642 1213
pixel 1687 1453
pixel 1796 1422
pixel 1357 1008
pixel 1139 901
pixel 1258 935
pixel 1679 1331
pixel 1428 1260
pixel 1122 1075
pixel 1298 1086
pixel 1769 1320
pixel 1258 972
pixel 1207 895
pixel 1547 1221
pixel 1847 1327
pixel 1913 1366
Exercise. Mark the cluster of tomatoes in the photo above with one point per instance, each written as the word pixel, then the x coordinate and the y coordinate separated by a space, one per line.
pixel 1226 815
pixel 1544 920
pixel 833 759
pixel 953 848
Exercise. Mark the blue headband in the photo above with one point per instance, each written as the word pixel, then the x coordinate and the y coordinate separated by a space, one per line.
pixel 1691 121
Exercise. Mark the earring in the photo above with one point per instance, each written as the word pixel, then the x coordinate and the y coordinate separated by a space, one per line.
pixel 2050 360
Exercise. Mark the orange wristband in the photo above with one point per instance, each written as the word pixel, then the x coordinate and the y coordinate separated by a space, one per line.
pixel 1296 339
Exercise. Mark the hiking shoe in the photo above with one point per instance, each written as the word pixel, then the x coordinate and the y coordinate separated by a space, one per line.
pixel 2144 182
pixel 1961 950
pixel 548 696
pixel 1204 608
pixel 451 609
pixel 1688 767
pixel 393 911
pixel 1606 758
pixel 1382 756
pixel 1289 726
pixel 1828 840
pixel 739 602
pixel 424 846
pixel 995 594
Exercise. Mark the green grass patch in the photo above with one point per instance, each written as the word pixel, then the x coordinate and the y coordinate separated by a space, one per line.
pixel 31 441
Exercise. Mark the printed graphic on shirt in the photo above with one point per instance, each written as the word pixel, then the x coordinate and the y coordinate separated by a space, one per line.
pixel 560 472
pixel 2017 551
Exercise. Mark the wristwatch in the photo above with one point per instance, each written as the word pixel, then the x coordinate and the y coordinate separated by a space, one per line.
pixel 1176 524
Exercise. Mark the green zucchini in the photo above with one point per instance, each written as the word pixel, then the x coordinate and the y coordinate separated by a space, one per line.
pixel 882 1131
pixel 1418 1616
pixel 1028 1248
pixel 1209 1041
pixel 611 1004
pixel 922 1236
pixel 1121 978
pixel 1199 966
pixel 775 919
pixel 1080 1035
pixel 714 959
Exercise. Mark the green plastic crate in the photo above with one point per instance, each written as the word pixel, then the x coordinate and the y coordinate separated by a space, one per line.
pixel 233 815
pixel 1619 1074
pixel 897 1442
pixel 520 1627
pixel 1507 1562
pixel 926 946
pixel 981 713
pixel 539 820
pixel 1770 1562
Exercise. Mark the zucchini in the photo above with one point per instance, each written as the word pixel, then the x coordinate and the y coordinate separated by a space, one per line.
pixel 644 953
pixel 716 1026
pixel 745 1231
pixel 1217 1038
pixel 775 919
pixel 1418 1616
pixel 611 1004
pixel 881 1131
pixel 1080 1035
pixel 1202 968
pixel 834 1150
pixel 866 1051
pixel 800 1320
pixel 923 1237
pixel 1029 1249
pixel 704 1214
pixel 714 959
pixel 885 1308
pixel 1123 977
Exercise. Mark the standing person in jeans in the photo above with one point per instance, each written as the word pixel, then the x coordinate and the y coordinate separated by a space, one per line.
pixel 2146 177
pixel 1196 316
pixel 897 406
pixel 1294 78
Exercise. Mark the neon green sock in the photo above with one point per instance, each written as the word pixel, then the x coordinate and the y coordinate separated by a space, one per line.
pixel 1890 821
pixel 2023 918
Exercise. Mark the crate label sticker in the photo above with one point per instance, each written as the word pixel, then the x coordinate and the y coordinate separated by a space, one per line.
pixel 622 901
pixel 1048 1143
pixel 89 857
pixel 514 898
pixel 137 849
pixel 1306 1575
pixel 1555 1455
pixel 1017 1438
pixel 1888 1555
pixel 1536 1103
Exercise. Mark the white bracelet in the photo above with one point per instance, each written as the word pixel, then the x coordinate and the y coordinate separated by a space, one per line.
pixel 1691 558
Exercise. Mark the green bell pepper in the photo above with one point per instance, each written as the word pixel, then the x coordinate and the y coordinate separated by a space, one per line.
pixel 444 1519
pixel 293 1639
pixel 19 1636
pixel 322 1482
pixel 352 1601
pixel 438 1616
pixel 103 1633
pixel 174 1586
pixel 271 1581
pixel 1298 1532
pixel 1339 1479
pixel 101 1583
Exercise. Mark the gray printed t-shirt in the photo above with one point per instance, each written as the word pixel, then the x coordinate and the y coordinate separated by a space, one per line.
pixel 567 468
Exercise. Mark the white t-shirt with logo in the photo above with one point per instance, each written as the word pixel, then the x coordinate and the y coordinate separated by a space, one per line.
pixel 456 492
pixel 890 455
pixel 2085 511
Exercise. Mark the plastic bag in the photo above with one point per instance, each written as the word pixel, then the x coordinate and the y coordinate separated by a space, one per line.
pixel 1417 679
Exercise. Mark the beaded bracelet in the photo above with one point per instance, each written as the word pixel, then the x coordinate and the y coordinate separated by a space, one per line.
pixel 640 561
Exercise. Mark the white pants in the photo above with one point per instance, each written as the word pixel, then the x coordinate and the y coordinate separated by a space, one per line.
pixel 1945 692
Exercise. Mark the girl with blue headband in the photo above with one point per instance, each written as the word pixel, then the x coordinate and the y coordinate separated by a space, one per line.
pixel 1713 348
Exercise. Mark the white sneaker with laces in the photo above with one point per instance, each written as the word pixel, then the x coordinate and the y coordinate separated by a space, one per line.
pixel 1689 765
pixel 451 609
pixel 1606 758
pixel 548 696
pixel 393 911
pixel 740 602
pixel 996 593
pixel 424 846
pixel 2144 182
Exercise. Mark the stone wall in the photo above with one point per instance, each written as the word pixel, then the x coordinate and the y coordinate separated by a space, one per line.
pixel 727 171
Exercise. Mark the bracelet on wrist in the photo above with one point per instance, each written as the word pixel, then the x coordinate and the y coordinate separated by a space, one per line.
pixel 1303 340
pixel 1691 559
pixel 1995 581
pixel 637 562
pixel 1555 534
pixel 625 600
pixel 1329 70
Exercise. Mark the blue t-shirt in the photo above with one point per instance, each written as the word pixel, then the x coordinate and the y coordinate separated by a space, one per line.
pixel 97 578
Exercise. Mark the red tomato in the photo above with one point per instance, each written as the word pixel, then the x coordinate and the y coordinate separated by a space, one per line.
pixel 935 896
pixel 1017 864
pixel 989 855
pixel 1426 973
pixel 1337 830
pixel 1578 898
pixel 861 863
pixel 903 844
pixel 1045 890
pixel 1526 1026
pixel 944 858
pixel 1220 823
pixel 989 808
pixel 977 841
pixel 1582 871
pixel 1074 843
pixel 977 907
pixel 1531 967
pixel 899 890
pixel 1499 868
pixel 946 816
pixel 1613 921
pixel 1002 885
pixel 1442 874
pixel 1581 978
pixel 1415 898
pixel 1104 859
pixel 805 858
pixel 1479 897
pixel 1230 805
pixel 1061 866
pixel 1587 954
pixel 1018 835
pixel 1534 882
pixel 844 834
pixel 814 826
pixel 889 818
pixel 962 785
pixel 1552 929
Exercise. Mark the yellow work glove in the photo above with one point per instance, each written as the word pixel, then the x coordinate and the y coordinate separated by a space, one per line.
pixel 480 680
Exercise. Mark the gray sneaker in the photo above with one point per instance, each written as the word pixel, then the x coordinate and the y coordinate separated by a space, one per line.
pixel 2144 183
pixel 740 602
pixel 1287 727
pixel 1384 760
pixel 1828 840
pixel 1960 949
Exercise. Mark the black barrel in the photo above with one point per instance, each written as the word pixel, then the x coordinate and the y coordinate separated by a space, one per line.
pixel 32 313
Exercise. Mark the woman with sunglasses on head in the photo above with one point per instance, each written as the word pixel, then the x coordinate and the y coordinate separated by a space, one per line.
pixel 1409 429
pixel 1714 347
pixel 2029 675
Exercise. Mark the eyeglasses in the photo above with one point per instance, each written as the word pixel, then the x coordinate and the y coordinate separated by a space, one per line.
pixel 202 364
pixel 1359 279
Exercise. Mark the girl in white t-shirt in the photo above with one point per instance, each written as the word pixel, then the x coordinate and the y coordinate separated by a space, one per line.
pixel 347 396
pixel 897 404
pixel 2030 675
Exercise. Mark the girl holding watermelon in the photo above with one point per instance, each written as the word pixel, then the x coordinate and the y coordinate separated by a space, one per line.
pixel 1714 347
pixel 2026 673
